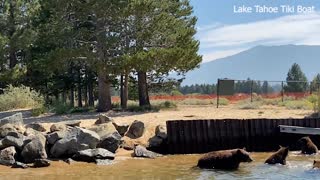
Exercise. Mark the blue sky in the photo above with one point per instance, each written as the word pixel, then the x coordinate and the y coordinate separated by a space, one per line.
pixel 222 32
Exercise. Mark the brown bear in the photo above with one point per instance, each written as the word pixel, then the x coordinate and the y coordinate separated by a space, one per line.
pixel 316 164
pixel 226 159
pixel 307 146
pixel 279 157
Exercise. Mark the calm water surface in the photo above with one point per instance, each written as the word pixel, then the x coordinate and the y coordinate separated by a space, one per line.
pixel 170 167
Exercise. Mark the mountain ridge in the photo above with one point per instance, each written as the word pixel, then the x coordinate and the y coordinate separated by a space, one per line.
pixel 259 63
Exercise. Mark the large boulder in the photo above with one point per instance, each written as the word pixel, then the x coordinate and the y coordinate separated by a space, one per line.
pixel 7 156
pixel 90 155
pixel 155 141
pixel 136 130
pixel 15 119
pixel 7 128
pixel 13 141
pixel 161 131
pixel 110 142
pixel 55 136
pixel 104 129
pixel 31 133
pixel 37 127
pixel 140 151
pixel 75 140
pixel 122 128
pixel 73 123
pixel 33 150
pixel 103 118
pixel 58 127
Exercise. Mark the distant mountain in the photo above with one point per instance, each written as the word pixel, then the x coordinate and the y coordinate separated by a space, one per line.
pixel 259 63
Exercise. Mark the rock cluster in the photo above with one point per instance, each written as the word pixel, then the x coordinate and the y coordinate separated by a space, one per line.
pixel 23 146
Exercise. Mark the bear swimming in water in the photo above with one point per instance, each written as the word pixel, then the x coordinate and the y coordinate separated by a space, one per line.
pixel 307 146
pixel 279 157
pixel 226 159
pixel 316 164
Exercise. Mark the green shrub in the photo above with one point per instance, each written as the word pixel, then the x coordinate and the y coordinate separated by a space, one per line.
pixel 176 93
pixel 38 111
pixel 164 104
pixel 20 97
pixel 222 101
pixel 61 108
pixel 247 104
pixel 298 104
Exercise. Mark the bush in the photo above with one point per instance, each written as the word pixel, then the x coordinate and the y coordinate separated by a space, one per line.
pixel 164 104
pixel 176 93
pixel 247 104
pixel 298 104
pixel 20 97
pixel 61 108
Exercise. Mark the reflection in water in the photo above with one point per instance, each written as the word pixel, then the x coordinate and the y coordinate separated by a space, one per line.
pixel 171 167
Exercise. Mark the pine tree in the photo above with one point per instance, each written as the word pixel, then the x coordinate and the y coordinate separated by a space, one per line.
pixel 295 74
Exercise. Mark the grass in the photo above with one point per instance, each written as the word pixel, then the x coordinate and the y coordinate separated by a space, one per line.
pixel 193 101
pixel 288 102
pixel 21 97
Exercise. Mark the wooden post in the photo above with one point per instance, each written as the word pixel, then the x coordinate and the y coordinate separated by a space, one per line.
pixel 282 91
pixel 218 92
pixel 251 90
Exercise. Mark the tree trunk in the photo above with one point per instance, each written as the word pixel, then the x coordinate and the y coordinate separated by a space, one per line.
pixel 79 89
pixel 85 90
pixel 72 97
pixel 12 29
pixel 90 92
pixel 124 90
pixel 104 104
pixel 12 59
pixel 64 99
pixel 143 89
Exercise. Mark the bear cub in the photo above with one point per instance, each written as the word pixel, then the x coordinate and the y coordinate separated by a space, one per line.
pixel 225 159
pixel 279 157
pixel 307 146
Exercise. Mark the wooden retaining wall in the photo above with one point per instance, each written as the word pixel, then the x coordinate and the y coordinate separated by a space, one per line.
pixel 200 136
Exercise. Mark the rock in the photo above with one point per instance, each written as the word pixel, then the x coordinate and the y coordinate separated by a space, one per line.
pixel 136 130
pixel 104 162
pixel 13 141
pixel 121 128
pixel 15 119
pixel 5 129
pixel 38 163
pixel 55 136
pixel 76 139
pixel 19 165
pixel 103 118
pixel 69 161
pixel 140 151
pixel 155 141
pixel 110 142
pixel 37 127
pixel 34 150
pixel 31 133
pixel 58 127
pixel 73 123
pixel 104 129
pixel 90 155
pixel 161 131
pixel 7 156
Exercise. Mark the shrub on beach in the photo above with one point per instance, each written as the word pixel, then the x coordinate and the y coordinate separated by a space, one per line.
pixel 19 98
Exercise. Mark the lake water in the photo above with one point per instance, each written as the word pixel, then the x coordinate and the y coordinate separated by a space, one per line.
pixel 170 167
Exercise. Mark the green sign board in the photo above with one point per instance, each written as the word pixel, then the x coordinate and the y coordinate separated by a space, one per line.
pixel 226 87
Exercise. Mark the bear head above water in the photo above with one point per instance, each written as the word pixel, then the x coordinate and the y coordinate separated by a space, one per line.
pixel 225 159
pixel 307 146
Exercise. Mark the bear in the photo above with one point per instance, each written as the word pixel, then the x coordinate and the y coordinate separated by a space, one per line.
pixel 316 164
pixel 279 157
pixel 307 146
pixel 224 159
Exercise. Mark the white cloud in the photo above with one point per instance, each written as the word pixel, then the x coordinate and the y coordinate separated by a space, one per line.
pixel 294 29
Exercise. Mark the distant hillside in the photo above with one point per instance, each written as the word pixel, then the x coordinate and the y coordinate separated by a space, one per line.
pixel 260 63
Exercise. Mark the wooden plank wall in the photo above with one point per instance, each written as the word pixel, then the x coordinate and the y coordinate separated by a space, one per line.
pixel 200 136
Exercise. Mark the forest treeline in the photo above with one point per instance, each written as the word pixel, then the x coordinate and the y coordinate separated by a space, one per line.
pixel 80 50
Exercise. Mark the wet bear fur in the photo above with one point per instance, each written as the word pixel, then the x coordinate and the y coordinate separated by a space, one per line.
pixel 226 159
pixel 279 157
pixel 307 146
